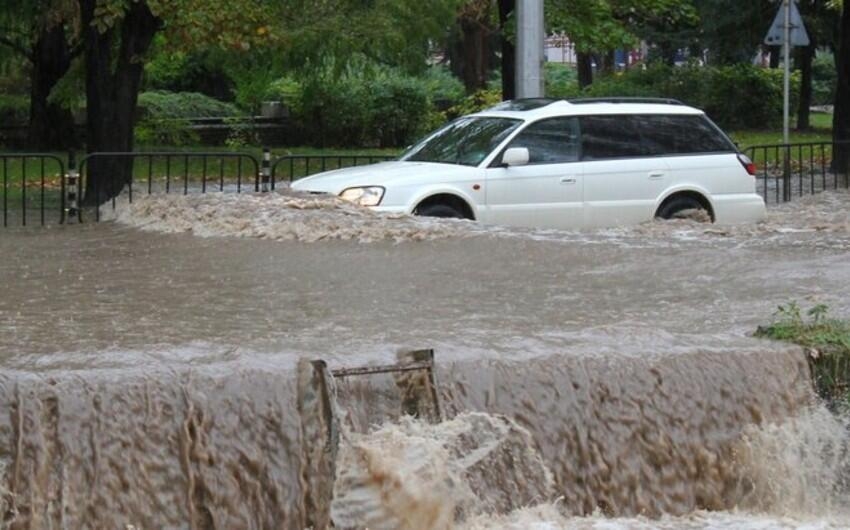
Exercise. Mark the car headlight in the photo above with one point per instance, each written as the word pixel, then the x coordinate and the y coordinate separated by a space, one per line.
pixel 364 196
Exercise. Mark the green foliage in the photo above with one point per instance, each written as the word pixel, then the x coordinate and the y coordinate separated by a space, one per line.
pixel 401 33
pixel 740 96
pixel 824 79
pixel 14 110
pixel 476 102
pixel 442 86
pixel 601 25
pixel 561 81
pixel 365 105
pixel 164 114
pixel 171 105
pixel 827 342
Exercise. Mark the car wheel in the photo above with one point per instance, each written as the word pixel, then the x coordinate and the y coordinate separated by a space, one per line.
pixel 439 210
pixel 684 208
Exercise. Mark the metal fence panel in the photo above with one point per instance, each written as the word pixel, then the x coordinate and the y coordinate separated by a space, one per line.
pixel 290 168
pixel 177 172
pixel 31 188
pixel 788 171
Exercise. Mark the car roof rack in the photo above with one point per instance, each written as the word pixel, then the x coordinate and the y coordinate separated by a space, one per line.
pixel 523 104
pixel 662 101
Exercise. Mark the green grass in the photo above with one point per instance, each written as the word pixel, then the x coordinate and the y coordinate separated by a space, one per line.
pixel 827 343
pixel 821 132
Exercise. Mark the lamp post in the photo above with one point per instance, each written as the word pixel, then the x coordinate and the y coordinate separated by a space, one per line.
pixel 529 57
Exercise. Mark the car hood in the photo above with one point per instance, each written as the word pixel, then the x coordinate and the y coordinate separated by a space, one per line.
pixel 381 174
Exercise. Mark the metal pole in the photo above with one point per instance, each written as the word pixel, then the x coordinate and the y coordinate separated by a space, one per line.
pixel 786 108
pixel 529 57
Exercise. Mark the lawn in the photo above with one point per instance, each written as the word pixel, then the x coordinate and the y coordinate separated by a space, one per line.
pixel 821 132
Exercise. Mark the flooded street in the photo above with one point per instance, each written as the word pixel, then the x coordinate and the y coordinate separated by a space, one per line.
pixel 148 369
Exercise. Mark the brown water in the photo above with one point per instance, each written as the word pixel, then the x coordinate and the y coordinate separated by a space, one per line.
pixel 149 378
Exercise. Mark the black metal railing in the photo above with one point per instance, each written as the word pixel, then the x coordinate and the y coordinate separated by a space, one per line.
pixel 289 168
pixel 170 172
pixel 31 188
pixel 35 188
pixel 787 171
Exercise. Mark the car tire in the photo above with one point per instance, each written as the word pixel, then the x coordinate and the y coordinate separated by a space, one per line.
pixel 683 207
pixel 439 210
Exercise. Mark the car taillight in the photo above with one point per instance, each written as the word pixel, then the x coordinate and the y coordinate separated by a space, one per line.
pixel 747 163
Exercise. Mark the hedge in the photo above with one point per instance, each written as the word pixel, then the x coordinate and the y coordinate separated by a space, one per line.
pixel 736 97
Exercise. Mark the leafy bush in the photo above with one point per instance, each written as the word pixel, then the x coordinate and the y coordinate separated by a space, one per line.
pixel 14 110
pixel 163 114
pixel 443 88
pixel 561 81
pixel 171 105
pixel 483 99
pixel 365 105
pixel 398 108
pixel 824 79
pixel 737 97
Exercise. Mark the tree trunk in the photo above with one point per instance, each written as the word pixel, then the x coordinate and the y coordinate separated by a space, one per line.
pixel 775 56
pixel 506 8
pixel 471 54
pixel 585 69
pixel 841 117
pixel 805 56
pixel 606 62
pixel 51 127
pixel 112 89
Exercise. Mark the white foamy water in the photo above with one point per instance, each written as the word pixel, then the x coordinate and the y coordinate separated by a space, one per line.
pixel 416 476
pixel 283 215
pixel 287 215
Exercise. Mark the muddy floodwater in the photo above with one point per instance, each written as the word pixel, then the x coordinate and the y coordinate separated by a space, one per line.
pixel 148 370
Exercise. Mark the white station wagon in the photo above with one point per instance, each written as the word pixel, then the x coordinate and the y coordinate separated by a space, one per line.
pixel 562 164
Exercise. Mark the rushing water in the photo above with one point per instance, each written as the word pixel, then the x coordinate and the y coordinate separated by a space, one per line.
pixel 149 375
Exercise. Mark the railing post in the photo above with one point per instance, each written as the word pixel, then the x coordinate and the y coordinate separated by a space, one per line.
pixel 71 189
pixel 266 169
pixel 786 174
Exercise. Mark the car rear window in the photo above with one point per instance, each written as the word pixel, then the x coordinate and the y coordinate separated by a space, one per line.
pixel 636 135
pixel 682 134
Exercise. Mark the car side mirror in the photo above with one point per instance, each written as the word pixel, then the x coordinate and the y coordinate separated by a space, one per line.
pixel 515 156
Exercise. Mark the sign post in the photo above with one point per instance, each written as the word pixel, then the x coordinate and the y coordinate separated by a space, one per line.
pixel 788 30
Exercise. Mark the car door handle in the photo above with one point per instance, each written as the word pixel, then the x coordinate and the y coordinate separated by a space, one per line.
pixel 568 180
pixel 655 175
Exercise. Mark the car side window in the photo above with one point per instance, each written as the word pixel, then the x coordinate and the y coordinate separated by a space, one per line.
pixel 552 141
pixel 682 134
pixel 610 136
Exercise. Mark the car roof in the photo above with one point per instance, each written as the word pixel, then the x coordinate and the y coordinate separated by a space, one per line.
pixel 536 108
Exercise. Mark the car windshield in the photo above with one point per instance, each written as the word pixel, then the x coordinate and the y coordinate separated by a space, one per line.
pixel 466 141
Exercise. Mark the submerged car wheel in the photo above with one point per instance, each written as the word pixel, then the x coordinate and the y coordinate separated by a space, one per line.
pixel 684 207
pixel 439 210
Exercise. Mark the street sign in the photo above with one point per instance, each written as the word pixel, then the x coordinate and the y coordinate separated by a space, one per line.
pixel 776 33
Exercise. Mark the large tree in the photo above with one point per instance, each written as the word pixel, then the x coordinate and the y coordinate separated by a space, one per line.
pixel 820 19
pixel 117 36
pixel 597 27
pixel 45 33
pixel 841 117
